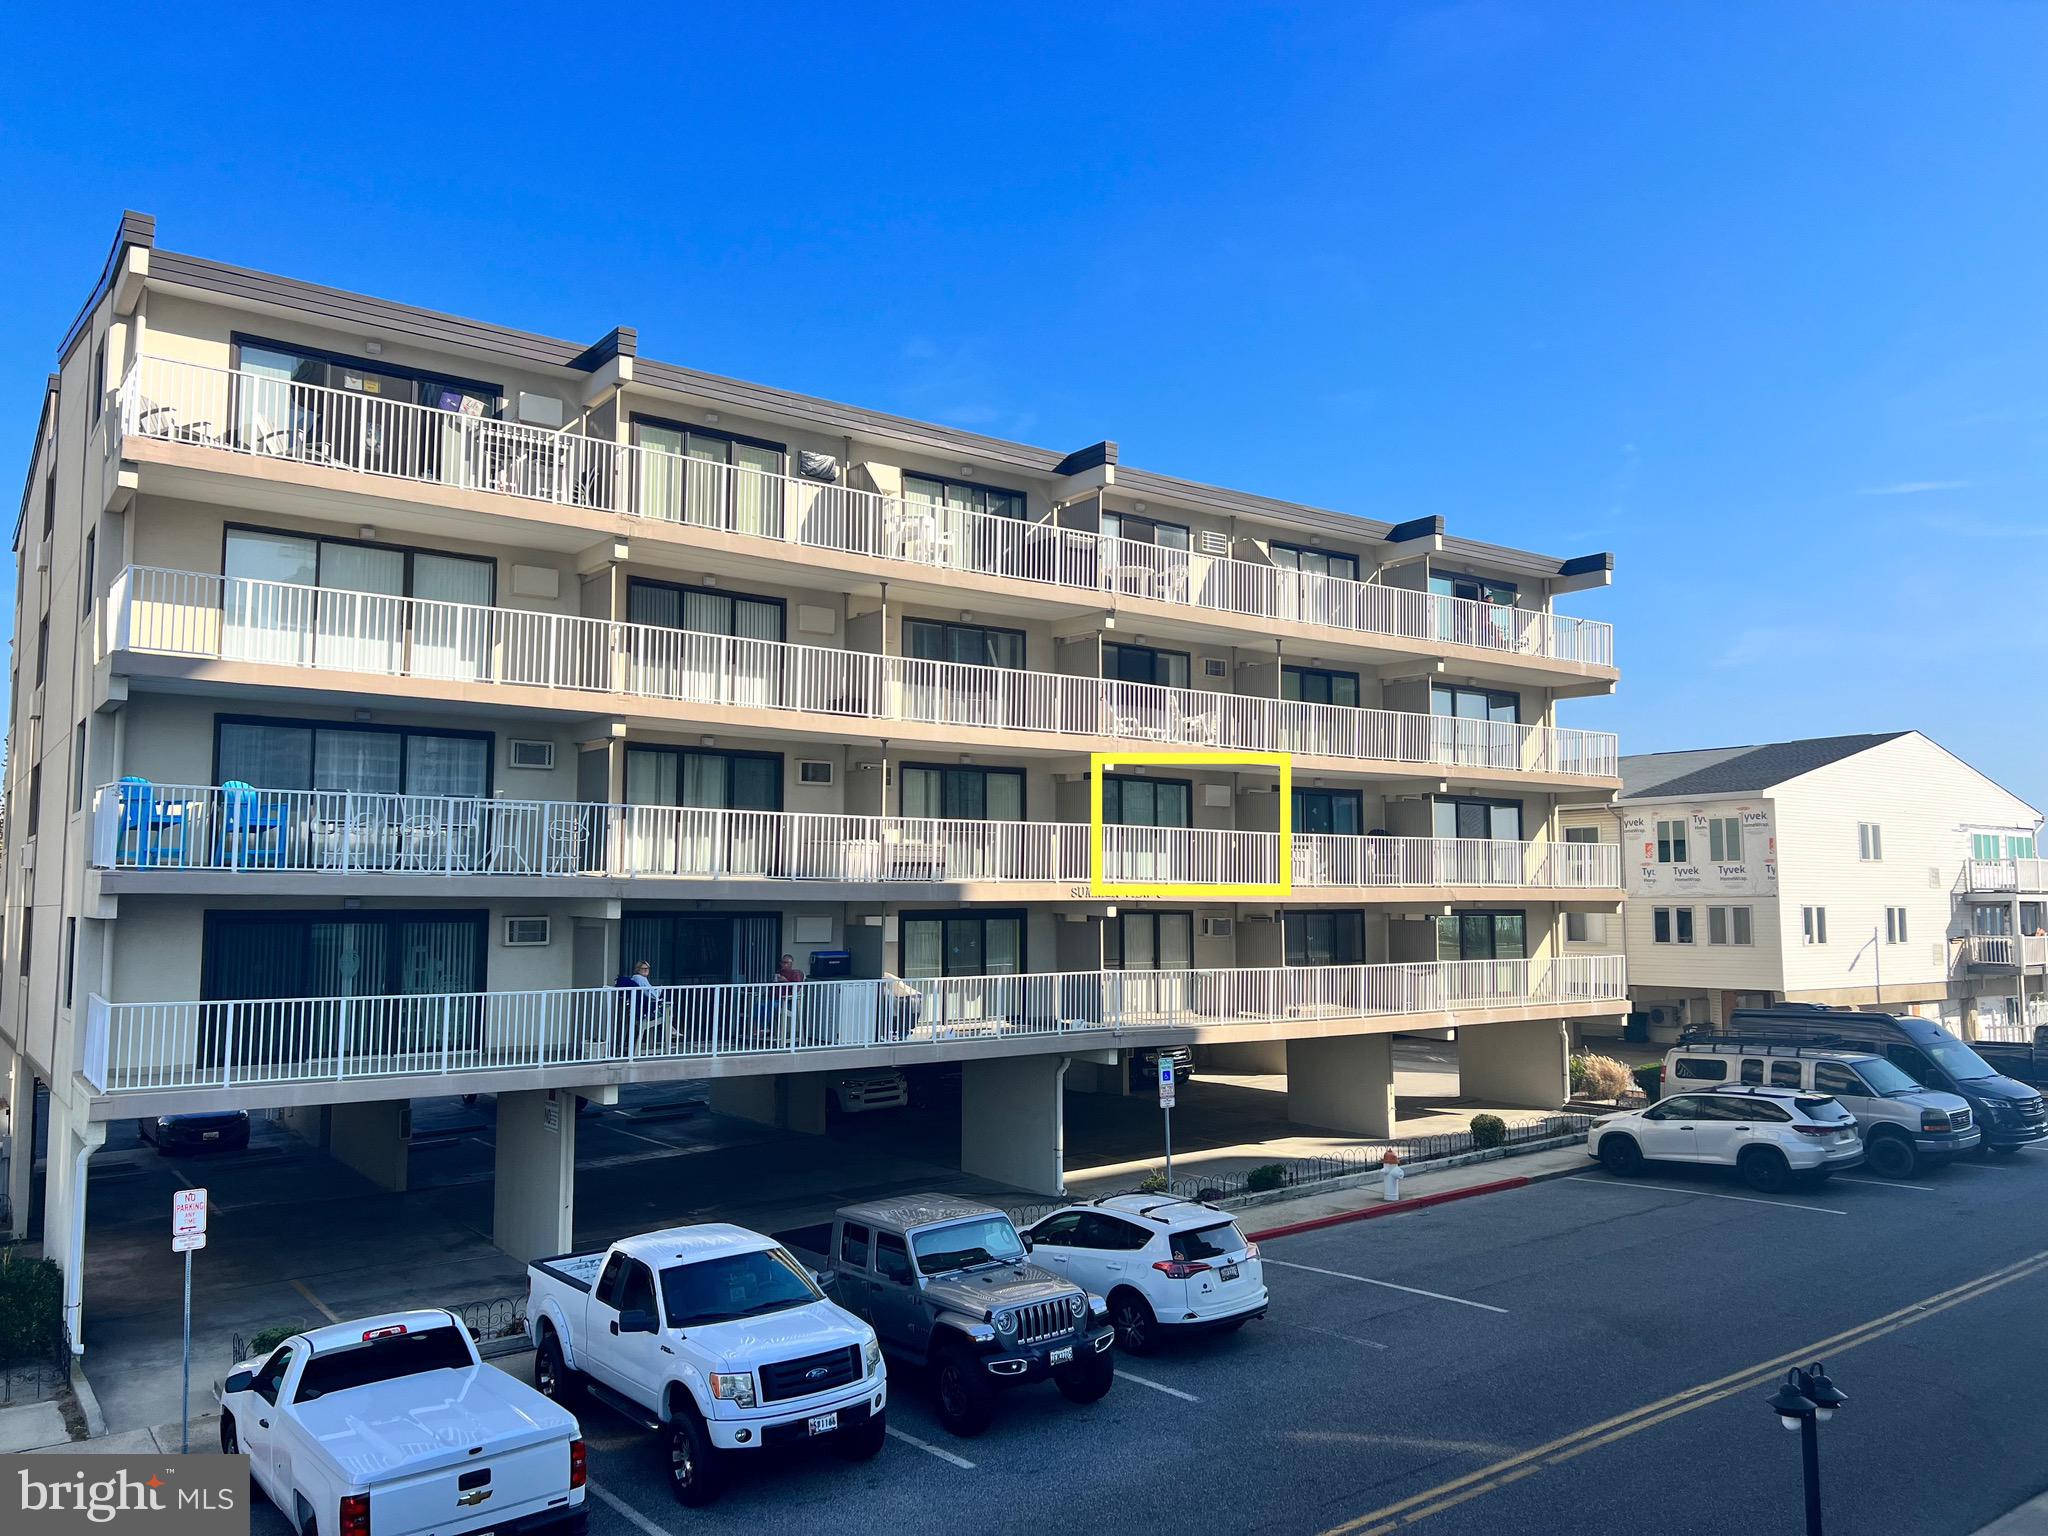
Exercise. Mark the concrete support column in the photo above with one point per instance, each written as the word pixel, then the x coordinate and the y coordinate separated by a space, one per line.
pixel 18 1088
pixel 1525 1064
pixel 1342 1083
pixel 1013 1121
pixel 789 1101
pixel 533 1197
pixel 374 1139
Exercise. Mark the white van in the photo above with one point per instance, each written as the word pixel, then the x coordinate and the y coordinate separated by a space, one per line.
pixel 1904 1126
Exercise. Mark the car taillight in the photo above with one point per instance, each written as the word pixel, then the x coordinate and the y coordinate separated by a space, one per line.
pixel 579 1464
pixel 1251 1250
pixel 355 1514
pixel 1816 1130
pixel 1180 1269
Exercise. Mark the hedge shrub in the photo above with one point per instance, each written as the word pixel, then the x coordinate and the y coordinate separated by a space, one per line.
pixel 1265 1176
pixel 1488 1131
pixel 31 1308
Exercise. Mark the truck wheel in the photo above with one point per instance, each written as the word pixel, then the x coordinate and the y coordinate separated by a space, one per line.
pixel 864 1441
pixel 1087 1381
pixel 229 1444
pixel 1137 1330
pixel 1891 1157
pixel 552 1377
pixel 1764 1170
pixel 692 1461
pixel 967 1399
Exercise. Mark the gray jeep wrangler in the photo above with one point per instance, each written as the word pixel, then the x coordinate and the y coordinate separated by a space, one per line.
pixel 946 1284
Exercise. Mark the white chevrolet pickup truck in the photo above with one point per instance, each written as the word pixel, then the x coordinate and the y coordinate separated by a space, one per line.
pixel 391 1426
pixel 714 1336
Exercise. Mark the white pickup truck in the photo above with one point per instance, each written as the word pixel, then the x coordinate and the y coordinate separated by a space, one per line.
pixel 392 1426
pixel 714 1336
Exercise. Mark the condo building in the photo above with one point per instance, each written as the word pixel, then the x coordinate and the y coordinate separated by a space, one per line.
pixel 1873 871
pixel 389 685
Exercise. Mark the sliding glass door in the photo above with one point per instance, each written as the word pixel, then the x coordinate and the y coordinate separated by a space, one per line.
pixel 703 781
pixel 710 479
pixel 707 670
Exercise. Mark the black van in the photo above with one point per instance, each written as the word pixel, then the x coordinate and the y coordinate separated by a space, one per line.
pixel 2009 1113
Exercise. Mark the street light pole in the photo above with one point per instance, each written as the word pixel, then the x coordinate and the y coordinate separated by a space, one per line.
pixel 1802 1401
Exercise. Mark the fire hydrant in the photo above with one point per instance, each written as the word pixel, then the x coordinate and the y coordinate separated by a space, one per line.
pixel 1392 1163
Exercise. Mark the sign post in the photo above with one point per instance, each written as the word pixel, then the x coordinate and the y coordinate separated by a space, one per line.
pixel 188 1231
pixel 1166 1111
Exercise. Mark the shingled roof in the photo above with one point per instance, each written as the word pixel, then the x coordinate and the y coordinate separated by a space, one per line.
pixel 1738 770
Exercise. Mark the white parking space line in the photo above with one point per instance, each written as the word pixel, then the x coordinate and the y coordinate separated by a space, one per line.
pixel 1338 1274
pixel 612 1501
pixel 325 1311
pixel 931 1450
pixel 1156 1386
pixel 1701 1194
pixel 1843 1178
pixel 666 1146
pixel 1328 1333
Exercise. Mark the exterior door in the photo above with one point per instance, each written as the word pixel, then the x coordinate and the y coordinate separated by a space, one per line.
pixel 1669 1131
pixel 894 1310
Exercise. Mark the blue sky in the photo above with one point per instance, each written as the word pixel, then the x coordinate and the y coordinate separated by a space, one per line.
pixel 1749 294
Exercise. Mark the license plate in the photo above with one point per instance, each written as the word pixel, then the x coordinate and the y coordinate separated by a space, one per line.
pixel 1228 1272
pixel 1063 1355
pixel 209 1135
pixel 824 1423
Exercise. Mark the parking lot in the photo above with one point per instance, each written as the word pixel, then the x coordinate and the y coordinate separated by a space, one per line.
pixel 1578 1354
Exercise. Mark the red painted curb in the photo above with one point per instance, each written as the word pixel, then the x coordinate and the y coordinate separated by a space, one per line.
pixel 1387 1208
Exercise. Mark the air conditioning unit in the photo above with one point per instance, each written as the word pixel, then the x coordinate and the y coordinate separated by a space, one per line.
pixel 526 932
pixel 28 854
pixel 813 771
pixel 1215 666
pixel 1214 927
pixel 530 754
pixel 1215 795
pixel 1210 542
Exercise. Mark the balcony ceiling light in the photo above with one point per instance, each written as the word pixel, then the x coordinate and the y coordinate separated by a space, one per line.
pixel 706 740
pixel 711 418
pixel 374 348
pixel 366 531
pixel 966 469
pixel 1137 506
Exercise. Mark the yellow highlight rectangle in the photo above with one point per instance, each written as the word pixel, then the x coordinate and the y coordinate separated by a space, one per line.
pixel 1252 890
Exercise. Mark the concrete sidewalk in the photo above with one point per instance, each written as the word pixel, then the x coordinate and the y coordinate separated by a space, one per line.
pixel 1365 1193
pixel 2030 1519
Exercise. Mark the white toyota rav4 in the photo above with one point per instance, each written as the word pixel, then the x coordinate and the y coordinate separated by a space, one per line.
pixel 1164 1265
pixel 1768 1135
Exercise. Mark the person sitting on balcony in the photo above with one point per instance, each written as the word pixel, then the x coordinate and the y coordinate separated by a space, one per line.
pixel 644 1006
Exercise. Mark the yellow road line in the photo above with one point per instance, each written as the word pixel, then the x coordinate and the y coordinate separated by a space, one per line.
pixel 1511 1469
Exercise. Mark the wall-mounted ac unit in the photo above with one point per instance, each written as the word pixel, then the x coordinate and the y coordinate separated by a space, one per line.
pixel 1214 795
pixel 530 754
pixel 1216 927
pixel 1210 542
pixel 1215 666
pixel 526 932
pixel 28 853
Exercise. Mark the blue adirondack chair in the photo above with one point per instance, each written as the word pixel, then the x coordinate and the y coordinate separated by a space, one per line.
pixel 251 826
pixel 157 827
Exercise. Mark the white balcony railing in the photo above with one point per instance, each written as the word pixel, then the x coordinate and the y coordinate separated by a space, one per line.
pixel 2005 951
pixel 329 428
pixel 2015 875
pixel 134 1047
pixel 138 825
pixel 190 613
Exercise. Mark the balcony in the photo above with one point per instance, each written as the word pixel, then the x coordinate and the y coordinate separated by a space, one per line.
pixel 218 410
pixel 579 661
pixel 2006 877
pixel 615 1033
pixel 172 829
pixel 2002 951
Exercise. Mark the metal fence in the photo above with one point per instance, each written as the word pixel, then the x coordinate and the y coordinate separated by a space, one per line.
pixel 37 1374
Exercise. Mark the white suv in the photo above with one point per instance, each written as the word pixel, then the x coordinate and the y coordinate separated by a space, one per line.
pixel 1768 1135
pixel 1164 1265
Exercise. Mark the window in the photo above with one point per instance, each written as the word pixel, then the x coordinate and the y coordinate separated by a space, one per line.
pixel 1313 562
pixel 35 797
pixel 1474 703
pixel 1741 924
pixel 1500 820
pixel 892 1258
pixel 1869 841
pixel 1324 938
pixel 960 496
pixel 2021 847
pixel 91 542
pixel 1143 664
pixel 612 1280
pixel 1317 685
pixel 1895 925
pixel 1705 1069
pixel 853 1245
pixel 1585 927
pixel 273 954
pixel 42 650
pixel 1724 839
pixel 1717 925
pixel 1148 941
pixel 1478 589
pixel 639 1293
pixel 703 611
pixel 364 759
pixel 1682 924
pixel 1785 1074
pixel 271 1377
pixel 710 479
pixel 1582 834
pixel 960 794
pixel 99 381
pixel 1671 846
pixel 1728 925
pixel 1813 923
pixel 1660 925
pixel 740 1285
pixel 1671 925
pixel 1134 802
pixel 1752 1071
pixel 1144 530
pixel 1338 811
pixel 974 645
pixel 70 957
pixel 78 767
pixel 1983 846
pixel 704 778
pixel 1832 1077
pixel 1482 936
pixel 317 400
pixel 962 944
pixel 49 504
pixel 1059 1230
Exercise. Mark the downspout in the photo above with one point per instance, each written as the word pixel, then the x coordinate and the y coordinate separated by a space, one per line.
pixel 74 1240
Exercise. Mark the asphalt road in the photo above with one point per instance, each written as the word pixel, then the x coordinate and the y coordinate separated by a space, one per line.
pixel 1579 1355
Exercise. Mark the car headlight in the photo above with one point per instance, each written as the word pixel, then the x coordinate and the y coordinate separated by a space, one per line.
pixel 1078 1305
pixel 737 1389
pixel 871 1352
pixel 1993 1110
pixel 1006 1322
